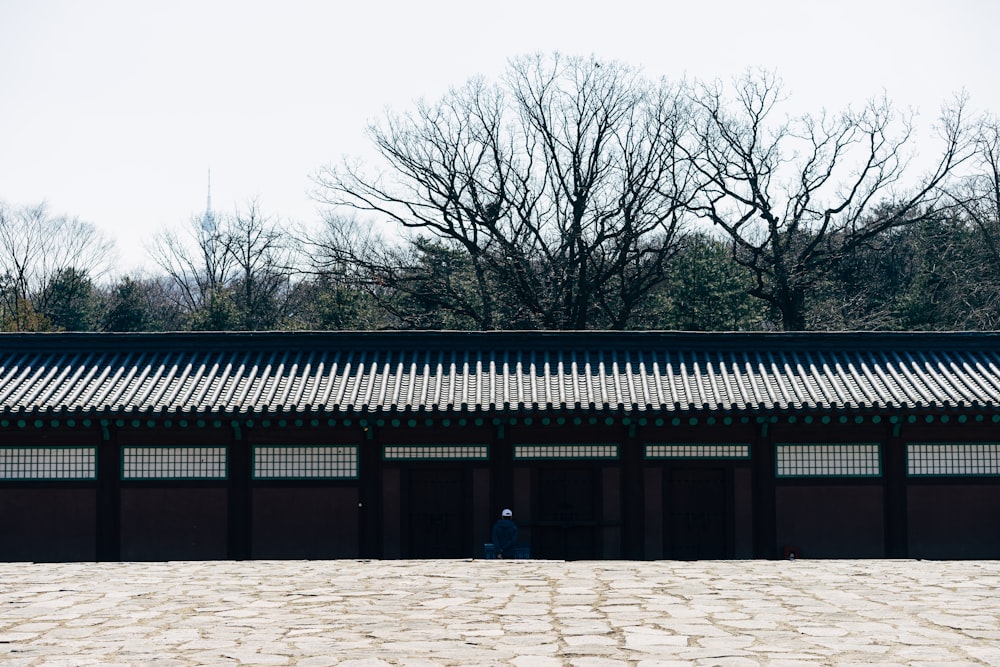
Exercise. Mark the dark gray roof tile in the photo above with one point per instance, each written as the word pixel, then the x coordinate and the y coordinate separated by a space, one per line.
pixel 353 372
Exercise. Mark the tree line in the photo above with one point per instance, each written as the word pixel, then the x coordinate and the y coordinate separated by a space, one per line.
pixel 574 194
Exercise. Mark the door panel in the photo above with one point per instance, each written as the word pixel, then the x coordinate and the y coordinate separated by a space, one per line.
pixel 566 518
pixel 696 514
pixel 436 514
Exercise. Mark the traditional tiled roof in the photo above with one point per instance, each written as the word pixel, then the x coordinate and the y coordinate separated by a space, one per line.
pixel 503 372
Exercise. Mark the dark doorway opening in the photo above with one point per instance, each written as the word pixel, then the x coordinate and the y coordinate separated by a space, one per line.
pixel 696 513
pixel 566 516
pixel 437 514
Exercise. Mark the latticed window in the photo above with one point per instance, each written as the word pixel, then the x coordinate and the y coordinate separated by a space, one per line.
pixel 580 451
pixel 952 458
pixel 697 451
pixel 305 462
pixel 174 463
pixel 48 463
pixel 828 460
pixel 436 452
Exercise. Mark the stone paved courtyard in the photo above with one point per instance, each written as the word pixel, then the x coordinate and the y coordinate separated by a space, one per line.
pixel 519 613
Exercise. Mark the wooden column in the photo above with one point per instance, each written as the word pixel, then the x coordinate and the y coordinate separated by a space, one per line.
pixel 765 532
pixel 239 498
pixel 894 479
pixel 633 509
pixel 502 463
pixel 370 519
pixel 108 495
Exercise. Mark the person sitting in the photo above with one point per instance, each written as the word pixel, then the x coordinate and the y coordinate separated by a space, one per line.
pixel 505 535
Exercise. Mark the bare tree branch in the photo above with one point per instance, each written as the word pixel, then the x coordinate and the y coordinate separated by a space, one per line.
pixel 35 248
pixel 796 194
pixel 563 185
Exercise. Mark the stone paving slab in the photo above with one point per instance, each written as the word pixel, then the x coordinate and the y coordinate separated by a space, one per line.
pixel 518 613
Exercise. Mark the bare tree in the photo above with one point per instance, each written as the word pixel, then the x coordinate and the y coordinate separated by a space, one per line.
pixel 195 260
pixel 418 282
pixel 228 272
pixel 37 248
pixel 977 197
pixel 263 255
pixel 563 185
pixel 976 207
pixel 796 194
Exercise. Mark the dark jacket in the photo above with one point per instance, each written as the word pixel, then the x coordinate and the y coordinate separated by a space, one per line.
pixel 504 536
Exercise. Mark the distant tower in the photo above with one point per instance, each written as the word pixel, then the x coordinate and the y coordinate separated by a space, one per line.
pixel 208 220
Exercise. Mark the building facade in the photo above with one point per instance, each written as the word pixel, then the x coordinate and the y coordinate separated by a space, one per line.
pixel 641 445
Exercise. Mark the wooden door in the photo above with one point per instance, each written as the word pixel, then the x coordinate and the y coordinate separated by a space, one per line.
pixel 435 512
pixel 696 515
pixel 566 523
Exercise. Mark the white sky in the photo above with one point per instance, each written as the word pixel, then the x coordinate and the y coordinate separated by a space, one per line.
pixel 114 110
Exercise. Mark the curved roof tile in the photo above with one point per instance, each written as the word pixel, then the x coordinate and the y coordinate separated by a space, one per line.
pixel 352 372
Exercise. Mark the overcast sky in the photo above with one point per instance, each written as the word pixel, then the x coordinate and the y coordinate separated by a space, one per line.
pixel 114 110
